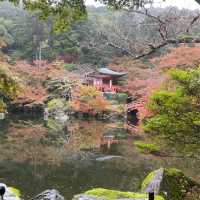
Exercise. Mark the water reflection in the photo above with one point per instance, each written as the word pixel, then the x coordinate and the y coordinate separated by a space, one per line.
pixel 36 155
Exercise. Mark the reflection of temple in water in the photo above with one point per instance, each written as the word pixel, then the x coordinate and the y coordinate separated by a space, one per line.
pixel 108 144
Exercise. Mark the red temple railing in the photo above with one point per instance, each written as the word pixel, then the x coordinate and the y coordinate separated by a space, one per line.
pixel 107 88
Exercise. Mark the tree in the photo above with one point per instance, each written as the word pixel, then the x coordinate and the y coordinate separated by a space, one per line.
pixel 9 87
pixel 5 37
pixel 175 110
pixel 88 99
pixel 65 11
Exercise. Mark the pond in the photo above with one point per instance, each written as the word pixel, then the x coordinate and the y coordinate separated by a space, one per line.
pixel 75 156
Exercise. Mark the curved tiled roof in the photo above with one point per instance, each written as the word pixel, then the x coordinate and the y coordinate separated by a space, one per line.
pixel 107 71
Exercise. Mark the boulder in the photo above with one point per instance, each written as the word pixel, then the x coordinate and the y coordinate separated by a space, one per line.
pixel 171 184
pixel 11 193
pixel 49 195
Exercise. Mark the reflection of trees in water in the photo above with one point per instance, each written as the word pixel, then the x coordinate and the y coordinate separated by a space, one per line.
pixel 37 143
pixel 87 134
pixel 26 142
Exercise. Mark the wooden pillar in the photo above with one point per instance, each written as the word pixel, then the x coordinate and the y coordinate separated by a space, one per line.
pixel 111 83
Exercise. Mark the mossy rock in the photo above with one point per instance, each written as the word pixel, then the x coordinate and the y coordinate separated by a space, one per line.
pixel 105 194
pixel 174 185
pixel 15 191
pixel 11 193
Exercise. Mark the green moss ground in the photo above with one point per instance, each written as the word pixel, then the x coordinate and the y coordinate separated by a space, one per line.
pixel 114 194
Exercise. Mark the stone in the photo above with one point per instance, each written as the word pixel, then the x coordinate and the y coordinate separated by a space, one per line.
pixel 49 195
pixel 105 158
pixel 10 193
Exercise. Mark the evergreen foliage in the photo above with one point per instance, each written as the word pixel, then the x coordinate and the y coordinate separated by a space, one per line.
pixel 175 110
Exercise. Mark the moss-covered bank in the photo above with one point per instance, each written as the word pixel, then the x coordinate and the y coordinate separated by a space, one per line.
pixel 105 194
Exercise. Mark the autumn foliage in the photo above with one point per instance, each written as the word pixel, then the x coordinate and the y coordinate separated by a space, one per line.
pixel 181 57
pixel 144 78
pixel 32 79
pixel 89 100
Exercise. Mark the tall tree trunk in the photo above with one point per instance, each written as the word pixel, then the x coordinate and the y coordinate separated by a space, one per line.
pixel 40 54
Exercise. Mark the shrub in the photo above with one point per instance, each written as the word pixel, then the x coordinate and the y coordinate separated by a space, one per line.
pixel 119 97
pixel 175 111
pixel 55 104
pixel 2 106
pixel 186 38
pixel 70 66
pixel 147 148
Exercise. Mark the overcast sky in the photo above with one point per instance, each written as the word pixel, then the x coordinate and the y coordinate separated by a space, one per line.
pixel 191 4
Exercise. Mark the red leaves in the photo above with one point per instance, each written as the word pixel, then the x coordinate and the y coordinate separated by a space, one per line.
pixel 32 79
pixel 182 56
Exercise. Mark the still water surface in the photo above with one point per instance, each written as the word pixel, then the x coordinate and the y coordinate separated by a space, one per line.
pixel 73 156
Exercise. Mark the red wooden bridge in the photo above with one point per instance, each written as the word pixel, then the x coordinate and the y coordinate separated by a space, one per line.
pixel 134 105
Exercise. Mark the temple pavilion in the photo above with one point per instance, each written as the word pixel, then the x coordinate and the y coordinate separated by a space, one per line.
pixel 105 80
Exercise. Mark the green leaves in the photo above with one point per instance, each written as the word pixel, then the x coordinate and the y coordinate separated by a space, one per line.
pixel 189 81
pixel 64 12
pixel 169 102
pixel 176 112
pixel 119 4
pixel 9 87
pixel 2 106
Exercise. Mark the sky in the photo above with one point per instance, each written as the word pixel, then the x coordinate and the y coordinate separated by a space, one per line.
pixel 190 4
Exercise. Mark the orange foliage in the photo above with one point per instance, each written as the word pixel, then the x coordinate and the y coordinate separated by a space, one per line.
pixel 33 77
pixel 89 100
pixel 183 56
pixel 142 80
pixel 145 78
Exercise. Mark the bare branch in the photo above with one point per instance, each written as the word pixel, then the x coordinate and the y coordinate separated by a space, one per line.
pixel 192 22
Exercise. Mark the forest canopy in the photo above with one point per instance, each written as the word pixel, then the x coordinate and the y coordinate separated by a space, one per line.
pixel 67 11
pixel 96 39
